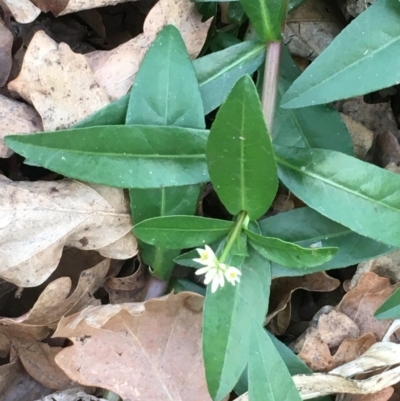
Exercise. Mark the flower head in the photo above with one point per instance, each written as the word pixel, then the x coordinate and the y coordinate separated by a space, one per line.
pixel 215 272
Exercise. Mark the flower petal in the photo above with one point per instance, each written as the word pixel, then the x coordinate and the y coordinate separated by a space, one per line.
pixel 210 276
pixel 203 270
pixel 232 274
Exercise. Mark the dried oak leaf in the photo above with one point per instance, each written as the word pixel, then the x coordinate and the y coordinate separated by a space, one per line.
pixel 141 351
pixel 282 289
pixel 16 118
pixel 115 69
pixel 58 82
pixel 55 302
pixel 37 219
pixel 383 395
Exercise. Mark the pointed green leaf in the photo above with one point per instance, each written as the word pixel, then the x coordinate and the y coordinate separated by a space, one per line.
pixel 151 103
pixel 121 156
pixel 390 309
pixel 289 254
pixel 267 17
pixel 178 232
pixel 313 127
pixel 305 227
pixel 112 114
pixel 269 378
pixel 227 315
pixel 239 154
pixel 216 74
pixel 349 191
pixel 169 95
pixel 360 60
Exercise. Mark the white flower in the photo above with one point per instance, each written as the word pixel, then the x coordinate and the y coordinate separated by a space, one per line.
pixel 215 272
pixel 207 257
pixel 232 274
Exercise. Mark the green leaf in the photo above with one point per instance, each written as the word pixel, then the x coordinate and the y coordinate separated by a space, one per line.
pixel 267 17
pixel 289 254
pixel 216 73
pixel 112 114
pixel 390 309
pixel 169 95
pixel 150 103
pixel 148 203
pixel 269 378
pixel 367 56
pixel 314 127
pixel 178 232
pixel 305 227
pixel 239 154
pixel 121 156
pixel 227 315
pixel 349 191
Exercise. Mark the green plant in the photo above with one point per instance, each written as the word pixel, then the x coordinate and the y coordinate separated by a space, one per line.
pixel 154 142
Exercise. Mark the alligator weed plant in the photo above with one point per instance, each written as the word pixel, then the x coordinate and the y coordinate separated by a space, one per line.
pixel 154 142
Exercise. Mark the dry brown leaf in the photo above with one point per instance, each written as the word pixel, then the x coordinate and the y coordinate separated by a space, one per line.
pixel 131 288
pixel 146 351
pixel 58 82
pixel 360 303
pixel 78 5
pixel 38 361
pixel 361 136
pixel 16 118
pixel 281 292
pixel 376 117
pixel 54 302
pixel 17 385
pixel 115 70
pixel 38 218
pixel 389 148
pixel 385 266
pixel 23 10
pixel 383 395
pixel 55 6
pixel 6 42
pixel 311 28
pixel 71 394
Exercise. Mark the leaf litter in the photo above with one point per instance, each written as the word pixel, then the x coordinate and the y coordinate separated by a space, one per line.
pixel 159 339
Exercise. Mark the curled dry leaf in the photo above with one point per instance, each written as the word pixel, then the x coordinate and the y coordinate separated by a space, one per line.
pixel 58 82
pixel 383 395
pixel 144 351
pixel 130 288
pixel 16 118
pixel 115 70
pixel 71 394
pixel 282 289
pixel 38 218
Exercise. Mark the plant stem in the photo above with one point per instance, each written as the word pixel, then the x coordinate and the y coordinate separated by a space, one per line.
pixel 270 82
pixel 235 232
